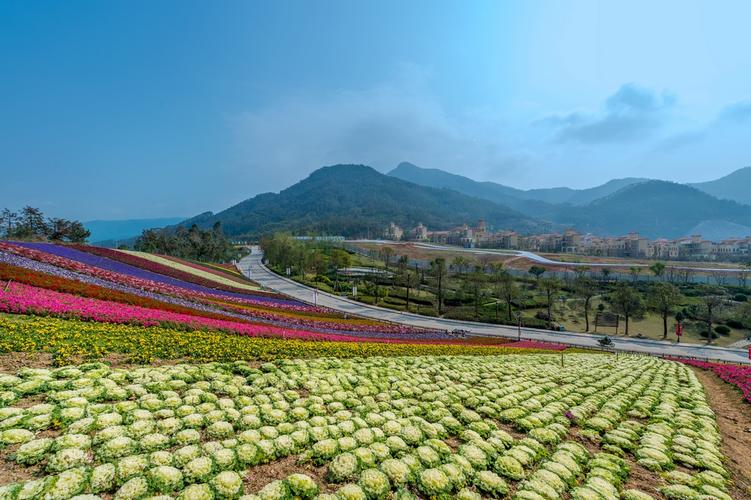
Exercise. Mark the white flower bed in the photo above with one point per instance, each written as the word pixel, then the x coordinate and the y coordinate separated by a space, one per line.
pixel 453 427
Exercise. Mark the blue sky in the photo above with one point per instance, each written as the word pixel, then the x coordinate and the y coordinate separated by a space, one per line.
pixel 148 109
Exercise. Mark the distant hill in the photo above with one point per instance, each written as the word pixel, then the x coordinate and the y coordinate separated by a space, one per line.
pixel 356 200
pixel 113 230
pixel 516 198
pixel 718 230
pixel 654 209
pixel 735 186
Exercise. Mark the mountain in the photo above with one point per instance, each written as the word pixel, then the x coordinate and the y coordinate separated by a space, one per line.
pixel 718 230
pixel 654 209
pixel 735 186
pixel 102 230
pixel 356 200
pixel 516 198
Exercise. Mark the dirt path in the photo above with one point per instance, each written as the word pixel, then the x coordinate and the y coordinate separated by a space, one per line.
pixel 734 419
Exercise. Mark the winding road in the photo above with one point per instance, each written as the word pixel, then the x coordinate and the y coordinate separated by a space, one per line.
pixel 252 267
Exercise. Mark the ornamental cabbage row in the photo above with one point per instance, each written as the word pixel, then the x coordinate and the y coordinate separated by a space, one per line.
pixel 369 428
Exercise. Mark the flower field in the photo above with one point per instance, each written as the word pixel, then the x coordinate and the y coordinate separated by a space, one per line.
pixel 364 428
pixel 266 397
pixel 57 280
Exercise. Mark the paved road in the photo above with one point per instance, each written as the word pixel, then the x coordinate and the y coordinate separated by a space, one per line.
pixel 252 267
pixel 544 260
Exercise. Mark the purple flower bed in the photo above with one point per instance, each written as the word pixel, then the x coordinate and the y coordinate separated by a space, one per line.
pixel 128 270
pixel 24 262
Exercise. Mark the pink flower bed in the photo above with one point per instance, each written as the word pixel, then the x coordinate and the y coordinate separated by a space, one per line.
pixel 737 375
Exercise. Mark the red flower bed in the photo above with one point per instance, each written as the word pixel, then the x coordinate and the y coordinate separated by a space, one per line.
pixel 737 375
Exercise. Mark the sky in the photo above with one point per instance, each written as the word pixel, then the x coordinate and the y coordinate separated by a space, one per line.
pixel 131 109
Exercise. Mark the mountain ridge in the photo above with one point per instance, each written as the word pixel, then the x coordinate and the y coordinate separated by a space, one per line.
pixel 357 200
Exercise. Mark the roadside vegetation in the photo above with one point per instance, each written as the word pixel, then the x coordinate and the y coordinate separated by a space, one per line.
pixel 480 289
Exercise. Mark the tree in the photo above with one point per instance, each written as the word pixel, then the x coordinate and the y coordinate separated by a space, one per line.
pixel 387 253
pixel 712 302
pixel 507 290
pixel 77 233
pixel 31 224
pixel 605 273
pixel 658 269
pixel 58 229
pixel 8 220
pixel 339 259
pixel 627 302
pixel 438 270
pixel 634 271
pixel 409 279
pixel 460 265
pixel 474 281
pixel 585 289
pixel 537 272
pixel 663 298
pixel 550 287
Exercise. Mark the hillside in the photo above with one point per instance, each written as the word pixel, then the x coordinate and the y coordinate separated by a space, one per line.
pixel 735 186
pixel 654 209
pixel 356 200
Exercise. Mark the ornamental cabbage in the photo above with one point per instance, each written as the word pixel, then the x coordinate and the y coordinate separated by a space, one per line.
pixel 165 479
pixel 33 451
pixel 197 492
pixel 227 484
pixel 68 484
pixel 490 483
pixel 374 483
pixel 351 492
pixel 132 490
pixel 302 486
pixel 67 458
pixel 434 482
pixel 343 467
pixel 275 490
pixel 198 470
pixel 16 436
pixel 397 471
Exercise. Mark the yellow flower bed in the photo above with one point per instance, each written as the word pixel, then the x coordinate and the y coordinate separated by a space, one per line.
pixel 192 270
pixel 68 339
